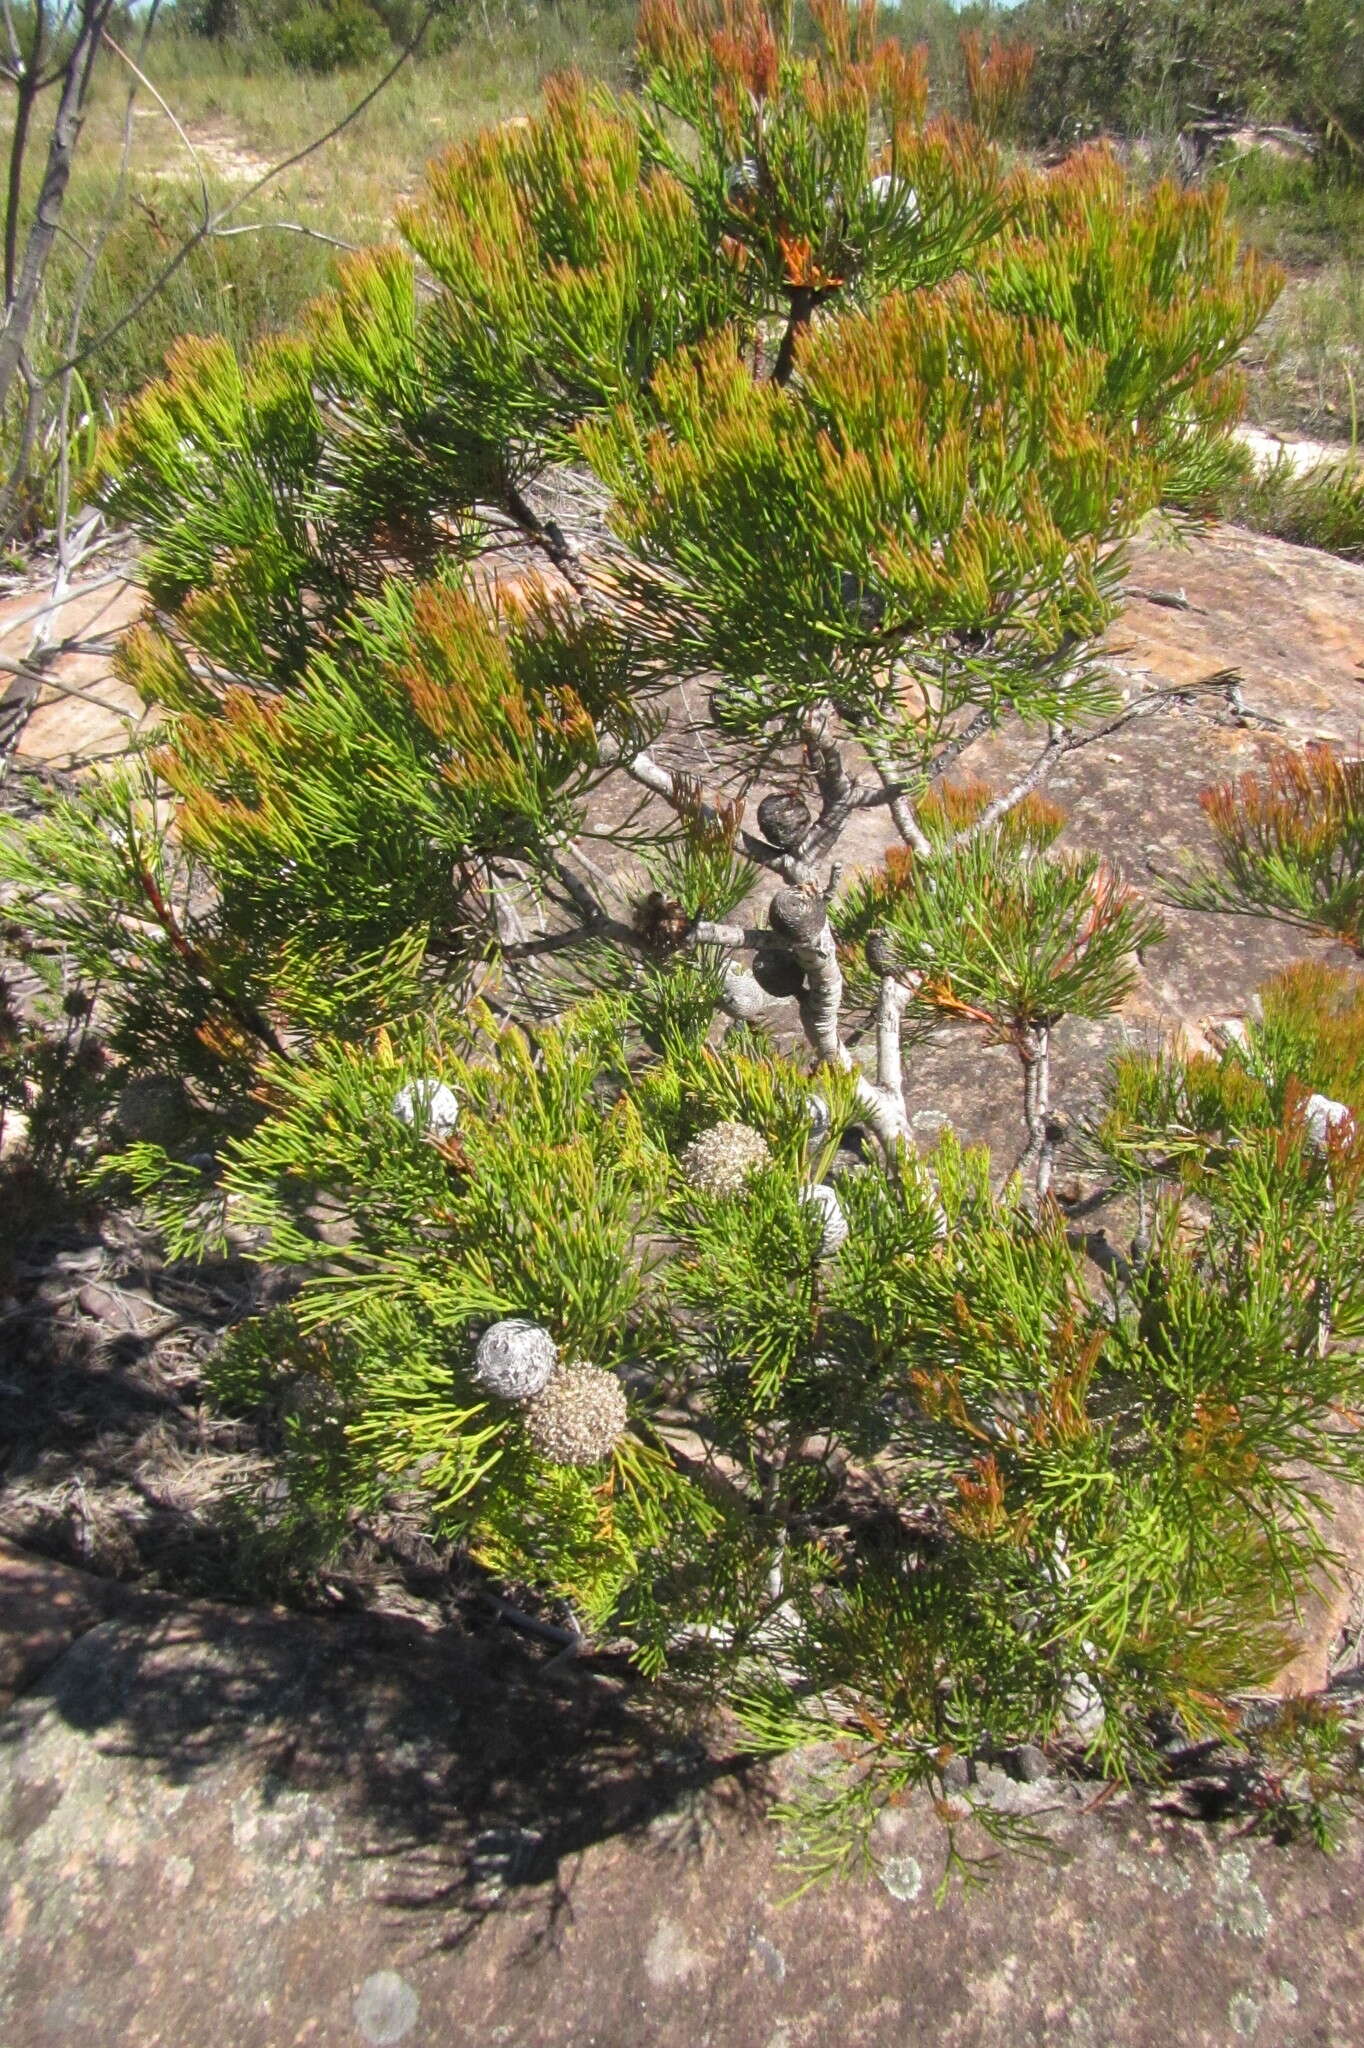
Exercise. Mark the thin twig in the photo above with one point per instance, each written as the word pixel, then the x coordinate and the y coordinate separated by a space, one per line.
pixel 290 227
pixel 1223 680
pixel 531 1625
pixel 51 604
pixel 142 79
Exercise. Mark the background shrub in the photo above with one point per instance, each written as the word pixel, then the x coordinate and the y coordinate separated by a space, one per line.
pixel 332 35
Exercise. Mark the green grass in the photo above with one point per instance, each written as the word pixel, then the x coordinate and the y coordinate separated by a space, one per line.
pixel 1286 210
pixel 249 95
pixel 237 285
pixel 1317 508
pixel 1305 367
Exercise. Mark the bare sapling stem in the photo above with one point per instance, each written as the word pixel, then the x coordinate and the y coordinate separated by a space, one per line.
pixel 1034 1051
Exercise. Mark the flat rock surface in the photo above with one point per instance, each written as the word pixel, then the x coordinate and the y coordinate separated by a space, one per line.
pixel 244 1831
pixel 78 713
pixel 43 1610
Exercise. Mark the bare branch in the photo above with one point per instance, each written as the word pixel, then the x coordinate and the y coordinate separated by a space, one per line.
pixel 581 896
pixel 731 936
pixel 801 922
pixel 22 296
pixel 803 303
pixel 1036 1160
pixel 293 227
pixel 891 790
pixel 890 1072
pixel 1224 681
pixel 901 809
pixel 52 604
pixel 1058 740
pixel 660 781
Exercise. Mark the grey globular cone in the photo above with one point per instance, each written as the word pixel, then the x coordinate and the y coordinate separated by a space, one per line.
pixel 783 820
pixel 579 1418
pixel 515 1359
pixel 796 915
pixel 883 953
pixel 743 995
pixel 776 971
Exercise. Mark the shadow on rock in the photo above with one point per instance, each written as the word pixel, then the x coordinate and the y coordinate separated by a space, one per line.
pixel 456 1773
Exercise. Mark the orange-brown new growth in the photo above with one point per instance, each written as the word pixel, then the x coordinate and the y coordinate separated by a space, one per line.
pixel 996 80
pixel 1215 1444
pixel 981 1512
pixel 954 806
pixel 801 269
pixel 1300 799
pixel 1305 809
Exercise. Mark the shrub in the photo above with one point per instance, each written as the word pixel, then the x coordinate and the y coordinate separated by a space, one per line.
pixel 338 35
pixel 1150 67
pixel 857 420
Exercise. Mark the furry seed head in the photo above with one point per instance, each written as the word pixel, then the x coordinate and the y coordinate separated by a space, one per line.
pixel 719 1161
pixel 579 1418
pixel 515 1359
pixel 427 1105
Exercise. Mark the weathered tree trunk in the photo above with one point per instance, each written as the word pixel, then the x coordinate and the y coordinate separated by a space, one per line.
pixel 24 289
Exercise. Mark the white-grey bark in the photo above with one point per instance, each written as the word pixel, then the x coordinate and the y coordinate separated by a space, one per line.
pixel 1058 741
pixel 743 997
pixel 1037 1158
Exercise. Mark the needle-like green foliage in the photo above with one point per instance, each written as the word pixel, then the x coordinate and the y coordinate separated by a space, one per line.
pixel 1002 931
pixel 1291 845
pixel 1073 1484
pixel 940 456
